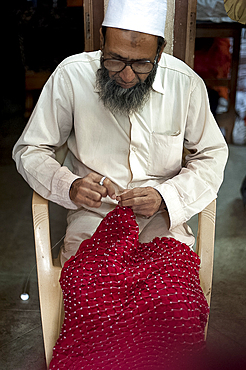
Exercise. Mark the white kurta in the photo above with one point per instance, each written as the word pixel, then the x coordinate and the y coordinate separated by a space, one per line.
pixel 144 149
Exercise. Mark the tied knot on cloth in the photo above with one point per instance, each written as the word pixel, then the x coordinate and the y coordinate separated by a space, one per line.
pixel 130 305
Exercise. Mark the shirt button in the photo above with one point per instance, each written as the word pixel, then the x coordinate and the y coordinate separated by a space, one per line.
pixel 134 149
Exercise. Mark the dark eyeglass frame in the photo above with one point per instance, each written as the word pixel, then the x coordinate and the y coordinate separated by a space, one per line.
pixel 130 63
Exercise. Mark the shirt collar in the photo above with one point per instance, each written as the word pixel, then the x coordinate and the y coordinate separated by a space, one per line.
pixel 157 84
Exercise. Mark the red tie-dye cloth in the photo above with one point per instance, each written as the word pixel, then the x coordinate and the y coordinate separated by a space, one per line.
pixel 129 305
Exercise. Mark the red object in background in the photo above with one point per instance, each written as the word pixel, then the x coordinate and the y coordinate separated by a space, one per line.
pixel 130 305
pixel 213 60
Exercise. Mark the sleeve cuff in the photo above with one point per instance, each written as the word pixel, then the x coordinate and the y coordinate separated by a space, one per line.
pixel 61 184
pixel 173 203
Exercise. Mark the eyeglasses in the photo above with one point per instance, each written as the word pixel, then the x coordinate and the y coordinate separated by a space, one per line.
pixel 138 66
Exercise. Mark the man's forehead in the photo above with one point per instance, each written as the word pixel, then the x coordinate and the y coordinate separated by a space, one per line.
pixel 133 36
pixel 119 56
pixel 120 38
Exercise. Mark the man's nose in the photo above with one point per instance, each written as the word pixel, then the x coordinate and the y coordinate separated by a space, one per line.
pixel 127 75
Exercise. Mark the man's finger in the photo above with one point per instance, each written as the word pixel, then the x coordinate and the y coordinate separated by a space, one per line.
pixel 133 202
pixel 107 187
pixel 85 195
pixel 143 201
pixel 132 193
pixel 88 191
pixel 110 188
pixel 100 189
pixel 91 203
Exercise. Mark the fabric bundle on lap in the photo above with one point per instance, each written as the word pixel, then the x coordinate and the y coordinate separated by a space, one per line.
pixel 129 305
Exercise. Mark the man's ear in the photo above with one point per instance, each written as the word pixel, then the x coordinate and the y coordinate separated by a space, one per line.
pixel 161 51
pixel 102 41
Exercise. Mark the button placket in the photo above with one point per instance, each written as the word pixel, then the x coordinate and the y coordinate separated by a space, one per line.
pixel 133 162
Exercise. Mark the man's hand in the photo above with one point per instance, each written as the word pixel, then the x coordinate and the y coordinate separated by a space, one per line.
pixel 87 191
pixel 143 201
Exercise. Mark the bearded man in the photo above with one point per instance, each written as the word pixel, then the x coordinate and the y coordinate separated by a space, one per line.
pixel 125 112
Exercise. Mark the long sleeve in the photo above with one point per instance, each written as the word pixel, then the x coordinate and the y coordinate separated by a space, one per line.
pixel 48 129
pixel 197 183
pixel 144 149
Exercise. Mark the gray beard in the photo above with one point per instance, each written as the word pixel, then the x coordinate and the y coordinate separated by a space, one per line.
pixel 120 100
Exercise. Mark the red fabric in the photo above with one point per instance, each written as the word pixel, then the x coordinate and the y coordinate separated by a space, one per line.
pixel 214 62
pixel 129 305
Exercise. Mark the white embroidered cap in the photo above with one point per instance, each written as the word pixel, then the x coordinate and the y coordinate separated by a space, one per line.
pixel 147 16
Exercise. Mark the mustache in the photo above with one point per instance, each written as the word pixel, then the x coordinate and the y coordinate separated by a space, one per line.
pixel 120 100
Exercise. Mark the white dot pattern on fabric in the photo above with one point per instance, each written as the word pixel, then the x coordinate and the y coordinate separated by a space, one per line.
pixel 129 305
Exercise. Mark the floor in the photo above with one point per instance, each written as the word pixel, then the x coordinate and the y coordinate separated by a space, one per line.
pixel 21 345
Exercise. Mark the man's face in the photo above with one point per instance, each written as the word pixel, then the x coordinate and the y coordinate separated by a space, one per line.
pixel 126 91
pixel 129 46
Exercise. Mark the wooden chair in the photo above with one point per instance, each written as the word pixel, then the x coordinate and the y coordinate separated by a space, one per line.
pixel 180 34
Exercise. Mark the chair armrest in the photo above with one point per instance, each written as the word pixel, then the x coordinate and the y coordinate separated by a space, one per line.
pixel 205 247
pixel 50 293
pixel 40 211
